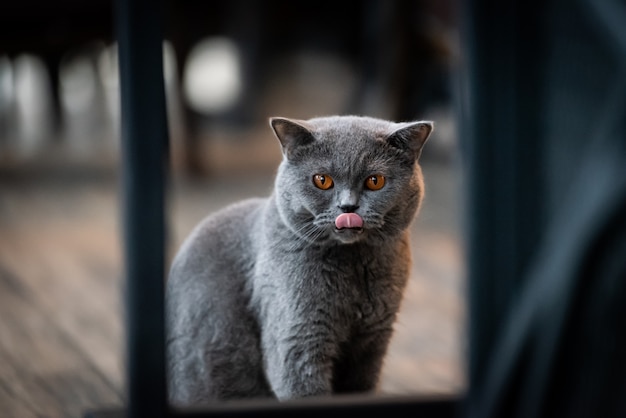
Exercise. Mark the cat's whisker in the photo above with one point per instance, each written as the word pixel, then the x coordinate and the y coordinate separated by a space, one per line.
pixel 306 233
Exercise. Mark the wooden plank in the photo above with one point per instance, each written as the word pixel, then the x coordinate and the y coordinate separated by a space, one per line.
pixel 42 370
pixel 60 314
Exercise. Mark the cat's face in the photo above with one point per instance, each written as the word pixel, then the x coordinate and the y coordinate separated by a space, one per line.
pixel 347 179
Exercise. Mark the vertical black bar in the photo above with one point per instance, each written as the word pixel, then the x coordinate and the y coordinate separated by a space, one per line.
pixel 144 146
pixel 504 161
pixel 547 256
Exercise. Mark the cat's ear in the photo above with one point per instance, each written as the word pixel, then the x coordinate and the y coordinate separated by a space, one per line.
pixel 291 133
pixel 411 136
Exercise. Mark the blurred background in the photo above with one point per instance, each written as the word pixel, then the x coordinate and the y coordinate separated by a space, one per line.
pixel 229 66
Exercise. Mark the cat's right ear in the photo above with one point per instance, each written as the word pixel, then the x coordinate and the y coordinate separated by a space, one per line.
pixel 292 133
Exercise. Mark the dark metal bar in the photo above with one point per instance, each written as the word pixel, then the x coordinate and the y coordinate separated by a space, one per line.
pixel 340 407
pixel 546 160
pixel 503 157
pixel 144 150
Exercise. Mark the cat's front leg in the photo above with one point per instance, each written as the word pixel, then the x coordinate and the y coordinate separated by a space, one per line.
pixel 359 367
pixel 299 356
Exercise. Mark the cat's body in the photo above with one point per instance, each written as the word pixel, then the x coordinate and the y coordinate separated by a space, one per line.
pixel 296 295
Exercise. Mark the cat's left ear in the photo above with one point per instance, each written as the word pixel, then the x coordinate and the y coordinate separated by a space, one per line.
pixel 411 136
pixel 291 133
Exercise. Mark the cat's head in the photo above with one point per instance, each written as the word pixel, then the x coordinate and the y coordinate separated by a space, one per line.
pixel 348 178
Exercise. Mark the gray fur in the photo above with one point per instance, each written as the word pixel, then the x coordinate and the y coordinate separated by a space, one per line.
pixel 266 299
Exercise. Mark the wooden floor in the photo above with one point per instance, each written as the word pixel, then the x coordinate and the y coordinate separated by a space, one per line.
pixel 61 332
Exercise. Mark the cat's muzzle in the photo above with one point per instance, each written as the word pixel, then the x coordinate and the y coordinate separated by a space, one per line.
pixel 348 227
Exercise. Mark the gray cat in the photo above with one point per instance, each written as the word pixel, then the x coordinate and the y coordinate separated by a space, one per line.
pixel 296 295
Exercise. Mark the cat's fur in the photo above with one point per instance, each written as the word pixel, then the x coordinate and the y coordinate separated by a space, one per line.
pixel 267 298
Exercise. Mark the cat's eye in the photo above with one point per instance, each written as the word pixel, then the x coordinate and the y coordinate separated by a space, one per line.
pixel 375 182
pixel 323 181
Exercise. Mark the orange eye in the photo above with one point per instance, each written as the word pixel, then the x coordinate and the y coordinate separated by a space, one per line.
pixel 323 181
pixel 375 182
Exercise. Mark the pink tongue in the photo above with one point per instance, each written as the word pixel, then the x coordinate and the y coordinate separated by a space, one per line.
pixel 348 220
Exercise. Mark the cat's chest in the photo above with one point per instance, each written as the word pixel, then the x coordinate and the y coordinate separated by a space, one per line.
pixel 347 286
pixel 357 286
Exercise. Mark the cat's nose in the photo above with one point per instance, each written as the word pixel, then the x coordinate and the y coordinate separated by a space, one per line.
pixel 348 201
pixel 348 208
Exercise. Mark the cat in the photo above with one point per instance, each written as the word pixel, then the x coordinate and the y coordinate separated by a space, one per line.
pixel 295 295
